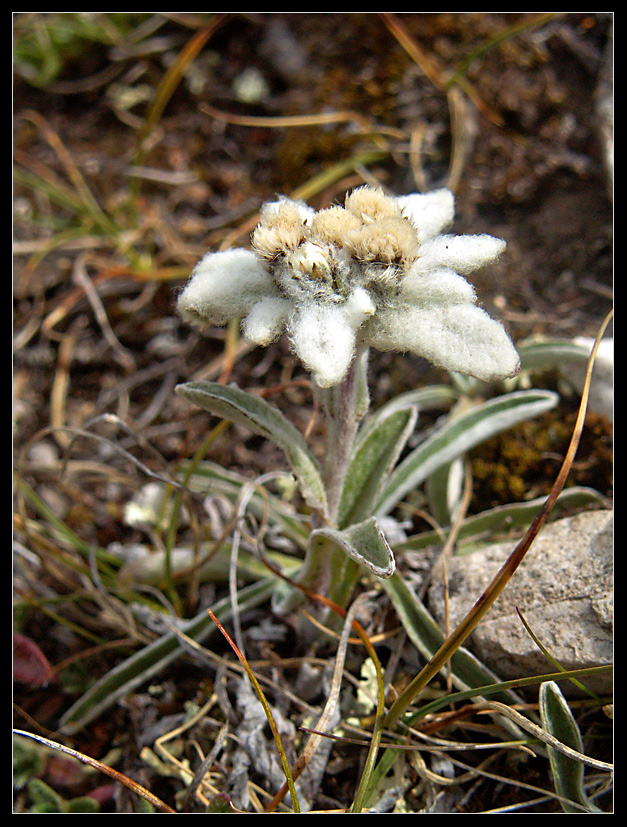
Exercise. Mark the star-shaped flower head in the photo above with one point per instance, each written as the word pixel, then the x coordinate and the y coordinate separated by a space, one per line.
pixel 376 272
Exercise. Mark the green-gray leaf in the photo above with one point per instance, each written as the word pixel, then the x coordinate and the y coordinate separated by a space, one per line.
pixel 459 435
pixel 557 719
pixel 545 354
pixel 153 658
pixel 363 542
pixel 502 519
pixel 373 458
pixel 236 405
pixel 429 398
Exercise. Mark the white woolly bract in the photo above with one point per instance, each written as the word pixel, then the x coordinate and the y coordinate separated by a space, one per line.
pixel 429 212
pixel 266 320
pixel 223 286
pixel 463 253
pixel 324 339
pixel 460 338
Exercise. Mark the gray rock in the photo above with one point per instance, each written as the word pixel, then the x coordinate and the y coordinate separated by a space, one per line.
pixel 564 590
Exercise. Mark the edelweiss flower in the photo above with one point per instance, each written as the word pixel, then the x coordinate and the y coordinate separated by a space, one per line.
pixel 376 272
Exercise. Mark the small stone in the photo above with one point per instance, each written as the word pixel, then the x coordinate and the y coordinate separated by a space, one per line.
pixel 563 589
pixel 250 86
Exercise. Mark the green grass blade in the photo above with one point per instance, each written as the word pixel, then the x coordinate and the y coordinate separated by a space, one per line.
pixel 466 670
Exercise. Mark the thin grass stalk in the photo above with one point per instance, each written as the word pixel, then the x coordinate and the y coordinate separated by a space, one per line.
pixel 496 688
pixel 526 24
pixel 582 687
pixel 167 87
pixel 325 719
pixel 153 659
pixel 266 709
pixel 502 578
pixel 178 504
pixel 86 198
pixel 437 76
pixel 543 735
pixel 379 722
pixel 377 731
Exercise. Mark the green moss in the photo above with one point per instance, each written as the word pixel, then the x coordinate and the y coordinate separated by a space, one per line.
pixel 522 463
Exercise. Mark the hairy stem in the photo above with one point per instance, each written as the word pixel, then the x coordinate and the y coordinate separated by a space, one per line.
pixel 344 406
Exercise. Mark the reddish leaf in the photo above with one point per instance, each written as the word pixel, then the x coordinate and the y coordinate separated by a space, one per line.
pixel 64 772
pixel 102 794
pixel 30 665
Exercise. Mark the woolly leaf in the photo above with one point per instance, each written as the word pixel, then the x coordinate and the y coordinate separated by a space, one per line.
pixel 459 435
pixel 557 719
pixel 236 405
pixel 372 461
pixel 363 542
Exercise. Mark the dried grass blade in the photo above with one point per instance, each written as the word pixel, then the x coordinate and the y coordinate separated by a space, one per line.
pixel 439 79
pixel 92 762
pixel 172 79
pixel 87 199
pixel 543 735
pixel 153 659
pixel 377 731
